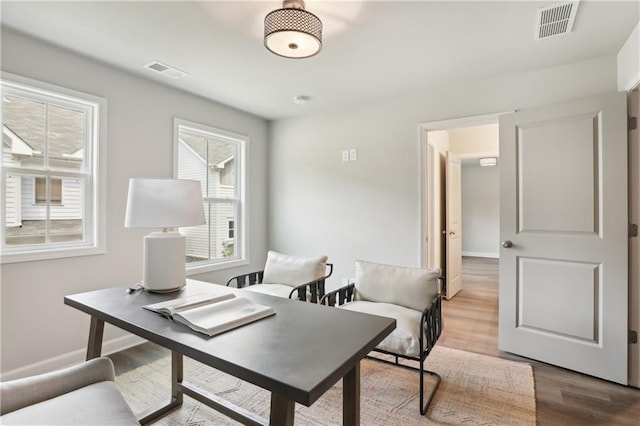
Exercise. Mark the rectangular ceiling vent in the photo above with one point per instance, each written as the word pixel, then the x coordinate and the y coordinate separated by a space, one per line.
pixel 165 70
pixel 556 20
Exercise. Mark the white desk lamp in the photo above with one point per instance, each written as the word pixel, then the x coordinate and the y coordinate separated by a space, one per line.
pixel 164 203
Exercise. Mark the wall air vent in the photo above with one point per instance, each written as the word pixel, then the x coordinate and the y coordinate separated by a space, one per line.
pixel 165 70
pixel 556 20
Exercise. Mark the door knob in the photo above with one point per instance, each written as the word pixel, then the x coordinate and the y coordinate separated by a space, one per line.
pixel 507 244
pixel 449 232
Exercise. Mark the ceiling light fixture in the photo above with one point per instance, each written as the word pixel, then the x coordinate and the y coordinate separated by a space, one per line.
pixel 488 161
pixel 293 32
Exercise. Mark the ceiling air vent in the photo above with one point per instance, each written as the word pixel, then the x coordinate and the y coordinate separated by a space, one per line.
pixel 165 70
pixel 556 20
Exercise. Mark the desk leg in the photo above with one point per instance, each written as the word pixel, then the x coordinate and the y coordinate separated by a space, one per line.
pixel 176 392
pixel 96 330
pixel 282 411
pixel 177 375
pixel 351 397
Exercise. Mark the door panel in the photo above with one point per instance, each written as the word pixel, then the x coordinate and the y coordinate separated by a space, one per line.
pixel 568 149
pixel 563 280
pixel 453 232
pixel 547 289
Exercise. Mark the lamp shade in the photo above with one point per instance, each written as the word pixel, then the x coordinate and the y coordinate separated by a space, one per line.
pixel 293 32
pixel 164 203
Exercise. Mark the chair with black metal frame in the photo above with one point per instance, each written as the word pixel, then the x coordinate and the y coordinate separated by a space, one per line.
pixel 293 277
pixel 409 295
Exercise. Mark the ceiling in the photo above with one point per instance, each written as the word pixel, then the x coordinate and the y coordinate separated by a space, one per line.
pixel 371 49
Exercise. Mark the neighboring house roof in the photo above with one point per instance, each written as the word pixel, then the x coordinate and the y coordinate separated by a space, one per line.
pixel 15 142
pixel 217 152
pixel 26 119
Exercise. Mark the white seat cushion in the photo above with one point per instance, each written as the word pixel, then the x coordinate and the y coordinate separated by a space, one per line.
pixel 97 404
pixel 412 288
pixel 279 290
pixel 293 270
pixel 405 339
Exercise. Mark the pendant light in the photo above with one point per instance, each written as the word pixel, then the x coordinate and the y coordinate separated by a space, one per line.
pixel 293 32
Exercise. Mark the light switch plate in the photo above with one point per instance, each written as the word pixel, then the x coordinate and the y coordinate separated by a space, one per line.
pixel 353 154
pixel 345 155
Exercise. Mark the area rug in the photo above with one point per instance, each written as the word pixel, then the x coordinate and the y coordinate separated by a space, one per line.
pixel 475 390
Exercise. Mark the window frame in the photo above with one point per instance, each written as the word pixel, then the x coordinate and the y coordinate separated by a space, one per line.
pixel 241 248
pixel 93 172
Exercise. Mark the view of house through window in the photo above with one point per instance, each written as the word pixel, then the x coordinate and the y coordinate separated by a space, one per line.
pixel 47 169
pixel 54 188
pixel 214 157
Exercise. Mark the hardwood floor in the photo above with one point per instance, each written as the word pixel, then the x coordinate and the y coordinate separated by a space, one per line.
pixel 563 397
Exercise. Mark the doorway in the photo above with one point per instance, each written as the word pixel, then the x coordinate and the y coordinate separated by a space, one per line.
pixel 430 239
pixel 447 147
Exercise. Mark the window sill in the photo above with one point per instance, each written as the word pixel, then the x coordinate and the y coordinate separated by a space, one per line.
pixel 28 256
pixel 218 266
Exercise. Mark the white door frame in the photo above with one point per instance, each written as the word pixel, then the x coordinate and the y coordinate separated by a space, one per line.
pixel 423 130
pixel 634 247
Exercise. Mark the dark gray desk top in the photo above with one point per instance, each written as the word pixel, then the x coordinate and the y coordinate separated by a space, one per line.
pixel 298 353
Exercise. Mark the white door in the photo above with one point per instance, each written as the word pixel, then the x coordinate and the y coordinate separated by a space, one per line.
pixel 563 226
pixel 432 238
pixel 453 231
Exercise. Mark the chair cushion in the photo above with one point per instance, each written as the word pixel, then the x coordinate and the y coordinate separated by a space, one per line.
pixel 97 404
pixel 292 270
pixel 279 290
pixel 405 339
pixel 412 288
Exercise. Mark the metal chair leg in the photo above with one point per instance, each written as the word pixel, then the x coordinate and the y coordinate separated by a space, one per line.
pixel 424 407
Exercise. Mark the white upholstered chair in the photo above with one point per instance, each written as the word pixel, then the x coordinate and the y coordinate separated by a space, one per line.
pixel 84 394
pixel 292 277
pixel 409 295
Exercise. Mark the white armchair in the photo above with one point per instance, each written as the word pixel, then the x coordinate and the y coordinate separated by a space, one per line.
pixel 293 277
pixel 409 295
pixel 84 394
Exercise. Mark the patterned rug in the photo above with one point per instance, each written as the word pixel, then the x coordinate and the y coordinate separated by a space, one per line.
pixel 475 390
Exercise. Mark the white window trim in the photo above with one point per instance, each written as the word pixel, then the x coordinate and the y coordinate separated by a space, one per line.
pixel 95 205
pixel 242 231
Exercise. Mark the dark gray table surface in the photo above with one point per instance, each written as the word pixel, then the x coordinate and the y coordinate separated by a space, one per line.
pixel 298 353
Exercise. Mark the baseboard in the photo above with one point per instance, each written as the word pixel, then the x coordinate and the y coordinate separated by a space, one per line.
pixel 71 358
pixel 479 254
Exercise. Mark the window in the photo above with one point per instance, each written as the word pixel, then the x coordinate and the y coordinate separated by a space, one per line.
pixel 54 197
pixel 51 142
pixel 231 228
pixel 216 158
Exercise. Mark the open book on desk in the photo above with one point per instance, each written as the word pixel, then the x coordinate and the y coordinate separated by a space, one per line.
pixel 212 313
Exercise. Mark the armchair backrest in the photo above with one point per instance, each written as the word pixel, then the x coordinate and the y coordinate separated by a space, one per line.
pixel 293 270
pixel 412 288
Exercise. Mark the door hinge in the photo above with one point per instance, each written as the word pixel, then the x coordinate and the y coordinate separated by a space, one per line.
pixel 633 230
pixel 633 336
pixel 633 123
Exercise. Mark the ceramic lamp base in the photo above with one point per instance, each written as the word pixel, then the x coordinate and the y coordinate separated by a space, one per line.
pixel 164 262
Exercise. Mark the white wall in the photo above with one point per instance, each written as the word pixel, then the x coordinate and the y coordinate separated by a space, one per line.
pixel 480 210
pixel 38 331
pixel 475 141
pixel 629 61
pixel 370 209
